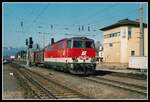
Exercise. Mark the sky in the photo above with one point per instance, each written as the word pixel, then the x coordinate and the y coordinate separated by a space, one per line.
pixel 42 21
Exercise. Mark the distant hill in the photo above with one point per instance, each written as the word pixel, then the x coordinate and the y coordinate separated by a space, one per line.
pixel 8 51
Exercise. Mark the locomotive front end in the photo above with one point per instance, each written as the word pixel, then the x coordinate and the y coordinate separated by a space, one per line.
pixel 83 55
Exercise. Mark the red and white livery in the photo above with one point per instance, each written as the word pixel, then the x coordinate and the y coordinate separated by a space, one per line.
pixel 76 55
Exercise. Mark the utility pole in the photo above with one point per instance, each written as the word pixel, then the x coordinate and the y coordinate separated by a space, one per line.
pixel 27 56
pixel 141 31
pixel 43 40
pixel 30 48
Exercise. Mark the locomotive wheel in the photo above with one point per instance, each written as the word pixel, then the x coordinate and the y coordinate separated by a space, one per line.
pixel 66 68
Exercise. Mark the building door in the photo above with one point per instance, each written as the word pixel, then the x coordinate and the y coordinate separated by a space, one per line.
pixel 132 53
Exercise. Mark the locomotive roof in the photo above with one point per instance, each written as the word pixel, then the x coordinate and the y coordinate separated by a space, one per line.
pixel 85 38
pixel 77 38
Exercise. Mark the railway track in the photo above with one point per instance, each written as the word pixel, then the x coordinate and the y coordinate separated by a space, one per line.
pixel 131 75
pixel 118 84
pixel 110 82
pixel 43 92
pixel 115 83
pixel 33 89
pixel 50 88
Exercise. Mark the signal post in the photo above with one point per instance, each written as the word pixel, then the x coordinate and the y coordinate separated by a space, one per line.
pixel 29 44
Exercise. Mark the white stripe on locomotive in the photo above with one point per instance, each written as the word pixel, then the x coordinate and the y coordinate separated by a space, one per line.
pixel 68 60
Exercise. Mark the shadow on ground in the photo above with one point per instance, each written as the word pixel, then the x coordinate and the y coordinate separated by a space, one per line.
pixel 101 73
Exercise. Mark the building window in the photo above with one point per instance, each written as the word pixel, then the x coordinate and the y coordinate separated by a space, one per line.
pixel 118 33
pixel 105 36
pixel 112 35
pixel 109 35
pixel 129 33
pixel 110 44
pixel 115 34
pixel 132 53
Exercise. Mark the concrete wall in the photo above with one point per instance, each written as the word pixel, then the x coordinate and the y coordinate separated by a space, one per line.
pixel 134 42
pixel 138 62
pixel 146 42
pixel 122 47
pixel 112 54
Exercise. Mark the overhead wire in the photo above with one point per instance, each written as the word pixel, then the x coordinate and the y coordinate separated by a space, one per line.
pixel 86 16
pixel 92 15
pixel 112 18
pixel 37 17
pixel 73 25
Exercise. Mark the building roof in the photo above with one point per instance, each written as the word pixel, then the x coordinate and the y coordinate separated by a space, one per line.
pixel 123 22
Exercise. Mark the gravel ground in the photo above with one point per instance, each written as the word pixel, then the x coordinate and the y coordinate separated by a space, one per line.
pixel 121 70
pixel 11 88
pixel 95 90
pixel 127 80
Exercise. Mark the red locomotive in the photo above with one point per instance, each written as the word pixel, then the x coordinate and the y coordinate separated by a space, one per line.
pixel 76 55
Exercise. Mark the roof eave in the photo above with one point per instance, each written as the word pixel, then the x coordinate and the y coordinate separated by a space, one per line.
pixel 119 25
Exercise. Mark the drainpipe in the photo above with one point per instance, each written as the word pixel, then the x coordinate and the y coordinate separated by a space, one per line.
pixel 141 31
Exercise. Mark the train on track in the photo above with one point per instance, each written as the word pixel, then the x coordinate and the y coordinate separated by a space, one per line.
pixel 75 55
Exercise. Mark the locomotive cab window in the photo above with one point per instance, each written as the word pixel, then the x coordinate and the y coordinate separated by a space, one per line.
pixel 83 44
pixel 89 44
pixel 78 44
pixel 69 43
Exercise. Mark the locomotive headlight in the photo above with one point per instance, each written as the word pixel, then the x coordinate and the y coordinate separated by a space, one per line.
pixel 75 59
pixel 81 58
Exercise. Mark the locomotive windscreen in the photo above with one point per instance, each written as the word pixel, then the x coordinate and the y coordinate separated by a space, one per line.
pixel 83 44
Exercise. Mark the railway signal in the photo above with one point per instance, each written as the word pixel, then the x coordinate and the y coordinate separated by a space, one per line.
pixel 30 42
pixel 27 42
pixel 27 56
pixel 21 23
pixel 82 28
pixel 51 26
pixel 79 28
pixel 88 28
